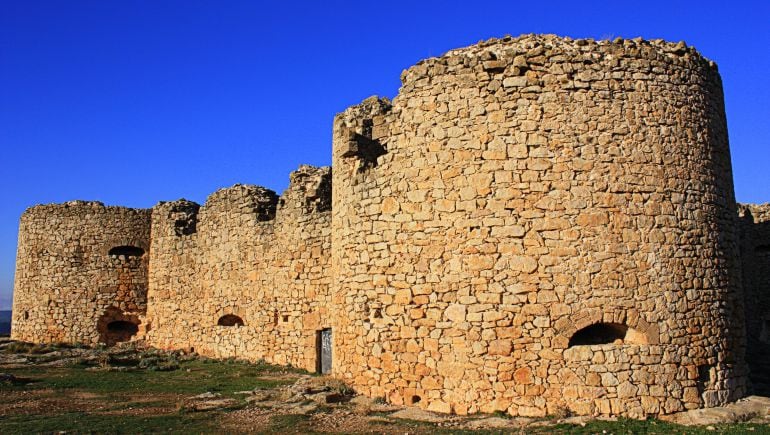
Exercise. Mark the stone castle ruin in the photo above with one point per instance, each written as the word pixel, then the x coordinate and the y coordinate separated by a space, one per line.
pixel 532 225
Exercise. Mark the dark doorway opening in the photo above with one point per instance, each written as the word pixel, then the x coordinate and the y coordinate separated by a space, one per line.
pixel 324 351
pixel 230 320
pixel 120 330
pixel 114 326
pixel 704 379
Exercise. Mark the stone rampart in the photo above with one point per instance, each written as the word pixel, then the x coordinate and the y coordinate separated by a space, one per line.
pixel 248 256
pixel 535 225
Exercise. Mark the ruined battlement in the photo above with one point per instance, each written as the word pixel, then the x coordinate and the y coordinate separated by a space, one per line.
pixel 243 199
pixel 514 57
pixel 532 225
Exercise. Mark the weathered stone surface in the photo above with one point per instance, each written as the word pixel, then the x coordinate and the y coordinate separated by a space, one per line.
pixel 607 205
pixel 752 407
pixel 71 283
pixel 533 224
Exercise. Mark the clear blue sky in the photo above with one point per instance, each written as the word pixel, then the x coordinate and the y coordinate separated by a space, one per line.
pixel 132 102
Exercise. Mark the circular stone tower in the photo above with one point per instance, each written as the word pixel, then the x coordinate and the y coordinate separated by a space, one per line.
pixel 537 224
pixel 81 274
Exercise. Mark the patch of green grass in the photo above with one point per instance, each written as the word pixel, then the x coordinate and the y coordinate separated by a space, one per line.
pixel 78 422
pixel 502 414
pixel 116 389
pixel 193 377
pixel 630 426
pixel 619 427
pixel 292 423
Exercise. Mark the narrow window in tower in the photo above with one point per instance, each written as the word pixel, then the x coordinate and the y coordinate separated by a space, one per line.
pixel 230 320
pixel 126 252
pixel 607 333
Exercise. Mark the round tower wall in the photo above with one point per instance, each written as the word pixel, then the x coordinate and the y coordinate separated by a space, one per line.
pixel 81 274
pixel 537 224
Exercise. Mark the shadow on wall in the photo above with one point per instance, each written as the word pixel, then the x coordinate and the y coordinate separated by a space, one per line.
pixel 756 281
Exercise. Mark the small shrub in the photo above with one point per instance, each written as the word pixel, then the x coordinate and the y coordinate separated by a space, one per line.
pixel 80 362
pixel 148 362
pixel 18 347
pixel 159 364
pixel 502 414
pixel 166 366
pixel 340 387
pixel 64 345
pixel 30 348
pixel 9 379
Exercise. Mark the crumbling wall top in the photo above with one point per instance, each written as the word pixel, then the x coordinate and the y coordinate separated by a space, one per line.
pixel 310 189
pixel 515 55
pixel 369 108
pixel 757 212
pixel 80 207
pixel 244 198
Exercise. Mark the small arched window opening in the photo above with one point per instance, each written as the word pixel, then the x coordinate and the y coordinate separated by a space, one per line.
pixel 607 333
pixel 230 320
pixel 126 251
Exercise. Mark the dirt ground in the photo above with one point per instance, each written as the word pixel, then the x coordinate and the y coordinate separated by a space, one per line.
pixel 133 389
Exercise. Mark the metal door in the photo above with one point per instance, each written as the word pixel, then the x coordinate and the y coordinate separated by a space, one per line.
pixel 325 351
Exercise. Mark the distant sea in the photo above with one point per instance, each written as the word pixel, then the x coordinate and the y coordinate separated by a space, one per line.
pixel 5 322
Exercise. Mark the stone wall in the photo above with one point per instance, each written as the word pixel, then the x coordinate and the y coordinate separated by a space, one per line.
pixel 81 273
pixel 250 254
pixel 533 225
pixel 524 192
pixel 755 253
